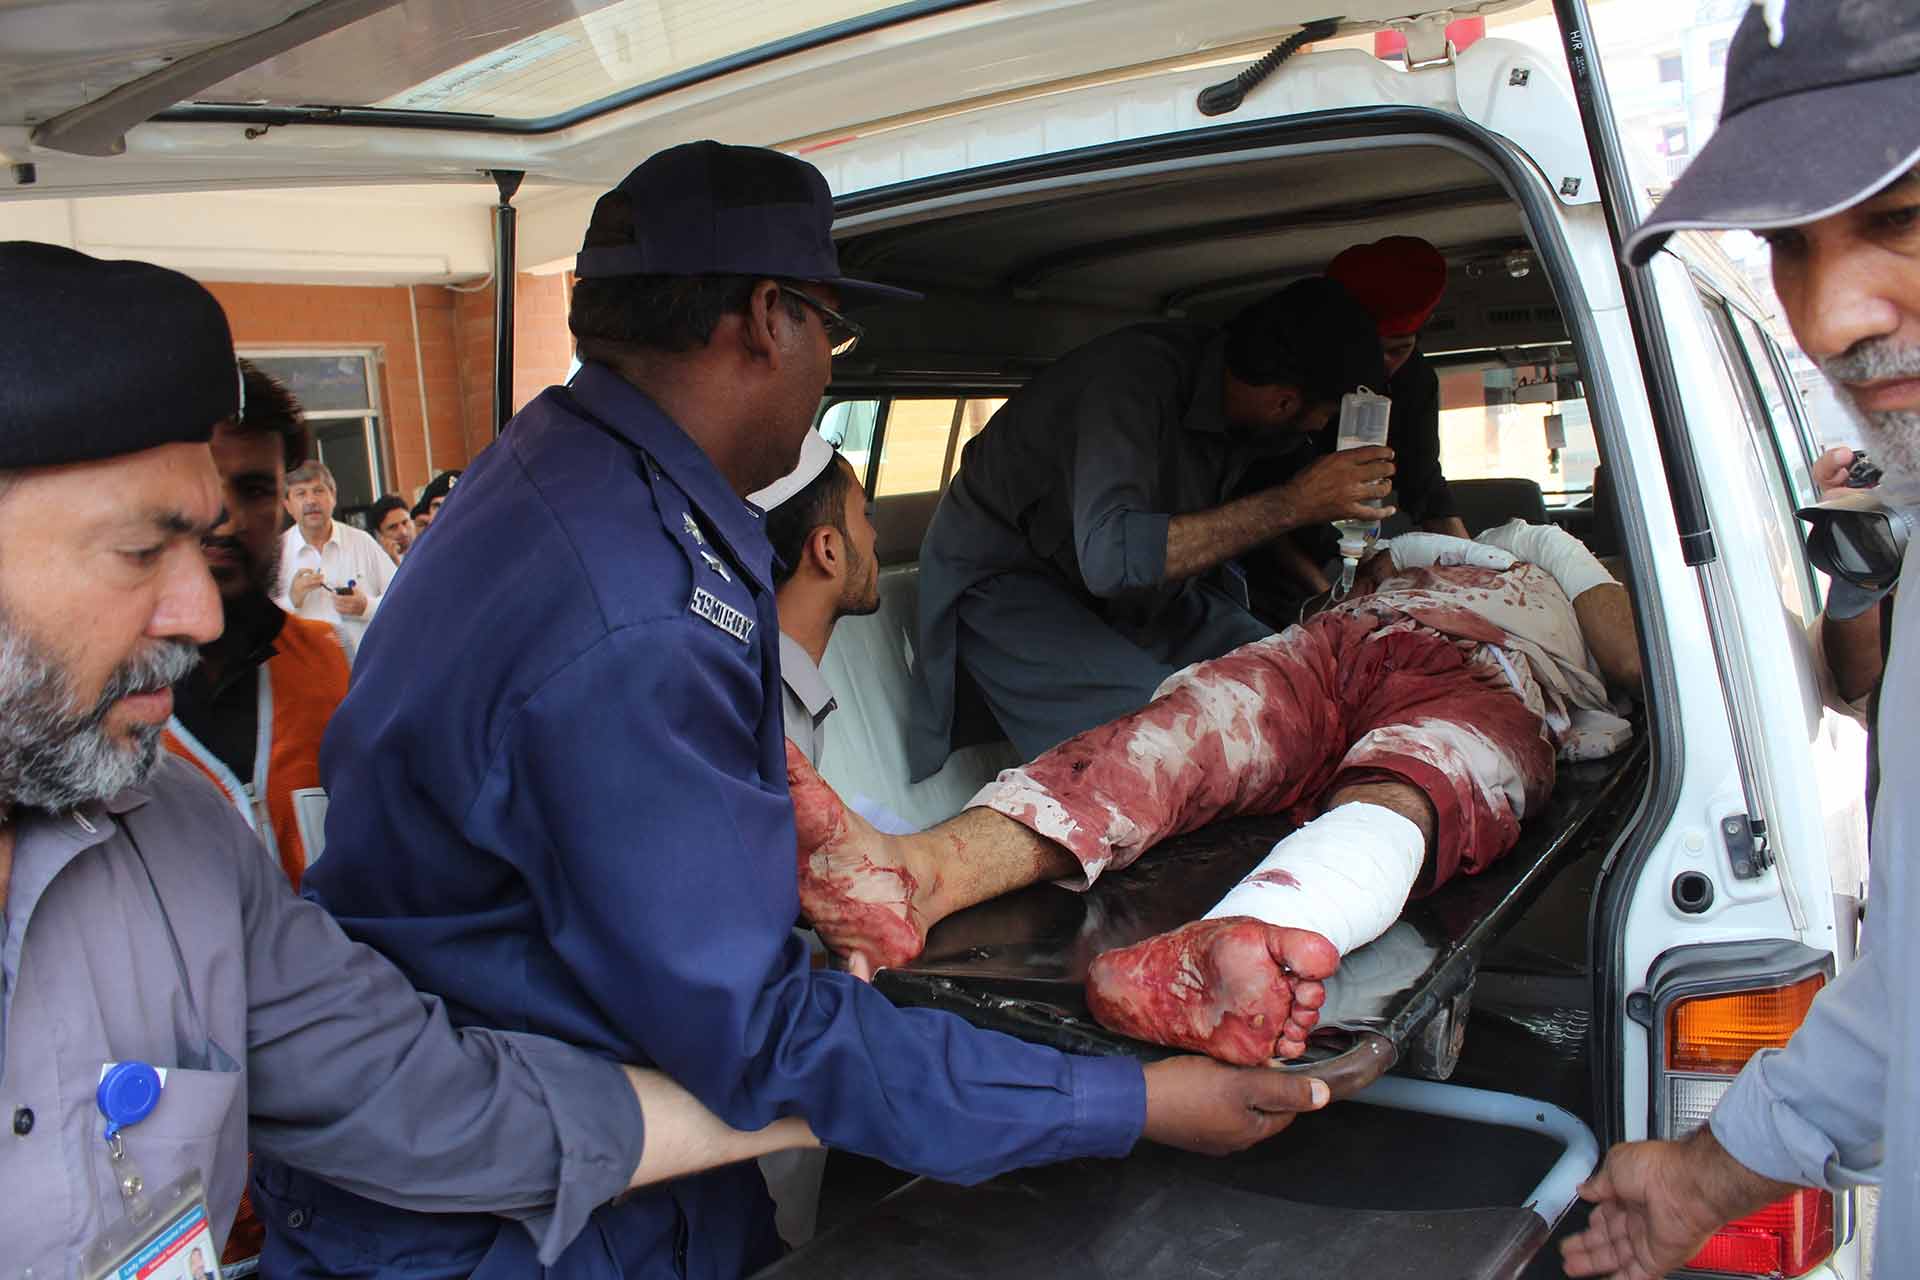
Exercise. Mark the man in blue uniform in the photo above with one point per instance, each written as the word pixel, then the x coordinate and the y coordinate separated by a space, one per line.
pixel 570 812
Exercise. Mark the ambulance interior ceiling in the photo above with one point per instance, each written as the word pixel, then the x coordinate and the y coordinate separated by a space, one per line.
pixel 1014 281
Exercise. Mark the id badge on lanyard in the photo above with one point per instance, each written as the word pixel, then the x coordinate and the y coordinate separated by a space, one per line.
pixel 165 1233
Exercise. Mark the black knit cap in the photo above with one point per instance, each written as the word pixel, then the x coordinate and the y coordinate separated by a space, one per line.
pixel 439 487
pixel 99 358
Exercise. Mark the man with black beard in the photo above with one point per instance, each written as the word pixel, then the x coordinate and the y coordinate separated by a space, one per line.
pixel 140 927
pixel 1817 152
pixel 251 715
pixel 1086 549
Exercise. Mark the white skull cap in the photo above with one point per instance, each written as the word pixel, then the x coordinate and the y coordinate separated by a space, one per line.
pixel 815 455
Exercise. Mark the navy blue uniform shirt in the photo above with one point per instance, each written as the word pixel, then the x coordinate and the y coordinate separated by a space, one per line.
pixel 559 801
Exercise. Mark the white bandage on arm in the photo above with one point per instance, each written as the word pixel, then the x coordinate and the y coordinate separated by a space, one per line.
pixel 1554 549
pixel 1419 550
pixel 1345 876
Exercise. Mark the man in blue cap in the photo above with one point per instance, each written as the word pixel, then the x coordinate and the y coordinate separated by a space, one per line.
pixel 571 813
pixel 1817 151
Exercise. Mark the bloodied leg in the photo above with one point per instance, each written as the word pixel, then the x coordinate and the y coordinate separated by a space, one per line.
pixel 872 896
pixel 1244 982
pixel 1295 722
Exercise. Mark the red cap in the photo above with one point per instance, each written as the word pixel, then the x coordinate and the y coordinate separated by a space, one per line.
pixel 1398 280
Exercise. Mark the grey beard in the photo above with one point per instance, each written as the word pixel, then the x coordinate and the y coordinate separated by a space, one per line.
pixel 1893 440
pixel 56 759
pixel 1892 437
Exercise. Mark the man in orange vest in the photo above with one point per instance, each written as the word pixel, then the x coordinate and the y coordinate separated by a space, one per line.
pixel 252 714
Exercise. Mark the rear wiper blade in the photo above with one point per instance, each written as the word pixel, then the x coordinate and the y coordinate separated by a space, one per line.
pixel 1218 99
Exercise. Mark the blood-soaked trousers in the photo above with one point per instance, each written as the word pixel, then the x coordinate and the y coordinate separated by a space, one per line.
pixel 1279 724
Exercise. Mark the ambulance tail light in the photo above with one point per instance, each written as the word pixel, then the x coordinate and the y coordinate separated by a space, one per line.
pixel 1712 1008
pixel 1789 1238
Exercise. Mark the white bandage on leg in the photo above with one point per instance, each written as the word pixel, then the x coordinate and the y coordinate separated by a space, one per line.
pixel 1554 549
pixel 1344 876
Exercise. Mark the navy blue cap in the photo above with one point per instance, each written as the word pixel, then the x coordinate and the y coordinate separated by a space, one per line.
pixel 1817 117
pixel 704 208
pixel 101 358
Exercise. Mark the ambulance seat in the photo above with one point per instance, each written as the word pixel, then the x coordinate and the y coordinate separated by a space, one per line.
pixel 869 667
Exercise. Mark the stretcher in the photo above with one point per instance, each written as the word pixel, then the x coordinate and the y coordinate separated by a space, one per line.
pixel 1018 964
pixel 1411 1177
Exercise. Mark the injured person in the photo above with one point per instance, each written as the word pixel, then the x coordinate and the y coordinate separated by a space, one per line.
pixel 1411 728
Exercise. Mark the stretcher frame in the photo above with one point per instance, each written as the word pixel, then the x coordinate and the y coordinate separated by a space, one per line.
pixel 1018 963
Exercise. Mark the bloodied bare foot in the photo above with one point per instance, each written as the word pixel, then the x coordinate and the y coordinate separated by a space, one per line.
pixel 1234 988
pixel 854 885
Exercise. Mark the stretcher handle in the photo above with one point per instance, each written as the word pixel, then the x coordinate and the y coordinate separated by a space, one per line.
pixel 1352 1070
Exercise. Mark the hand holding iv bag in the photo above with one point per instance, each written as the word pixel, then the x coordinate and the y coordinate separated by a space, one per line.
pixel 1363 421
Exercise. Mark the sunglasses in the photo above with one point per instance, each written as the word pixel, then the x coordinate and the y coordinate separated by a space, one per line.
pixel 843 335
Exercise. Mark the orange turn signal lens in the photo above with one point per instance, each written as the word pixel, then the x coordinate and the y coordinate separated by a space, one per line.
pixel 1718 1034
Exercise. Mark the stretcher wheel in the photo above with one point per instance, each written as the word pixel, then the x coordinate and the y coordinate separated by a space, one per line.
pixel 1435 1050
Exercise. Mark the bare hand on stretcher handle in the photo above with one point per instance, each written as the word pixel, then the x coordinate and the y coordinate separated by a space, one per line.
pixel 1197 1104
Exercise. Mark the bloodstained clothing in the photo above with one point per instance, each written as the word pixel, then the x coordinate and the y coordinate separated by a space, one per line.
pixel 1449 679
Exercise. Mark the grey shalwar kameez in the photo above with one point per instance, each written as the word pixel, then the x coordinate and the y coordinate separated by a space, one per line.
pixel 283 1035
pixel 1044 571
pixel 1840 1105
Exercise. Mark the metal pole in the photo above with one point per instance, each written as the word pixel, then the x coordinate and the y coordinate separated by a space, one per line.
pixel 504 260
pixel 1643 308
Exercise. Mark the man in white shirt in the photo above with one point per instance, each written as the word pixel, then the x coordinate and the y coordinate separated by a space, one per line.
pixel 825 570
pixel 328 570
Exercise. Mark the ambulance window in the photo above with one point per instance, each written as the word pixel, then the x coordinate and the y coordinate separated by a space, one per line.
pixel 921 441
pixel 1785 548
pixel 1501 420
pixel 1789 438
pixel 914 446
pixel 850 427
pixel 544 64
pixel 340 394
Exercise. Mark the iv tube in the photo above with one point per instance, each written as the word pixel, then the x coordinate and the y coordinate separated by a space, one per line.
pixel 1351 549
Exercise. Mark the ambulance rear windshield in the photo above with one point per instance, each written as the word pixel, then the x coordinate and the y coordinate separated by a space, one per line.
pixel 543 62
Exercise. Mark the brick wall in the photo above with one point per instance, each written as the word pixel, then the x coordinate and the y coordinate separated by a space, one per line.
pixel 454 356
pixel 473 339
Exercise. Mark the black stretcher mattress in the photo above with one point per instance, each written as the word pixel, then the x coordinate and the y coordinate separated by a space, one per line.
pixel 1018 963
pixel 1357 1189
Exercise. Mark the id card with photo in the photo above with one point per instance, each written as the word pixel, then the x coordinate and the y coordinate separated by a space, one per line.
pixel 169 1238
